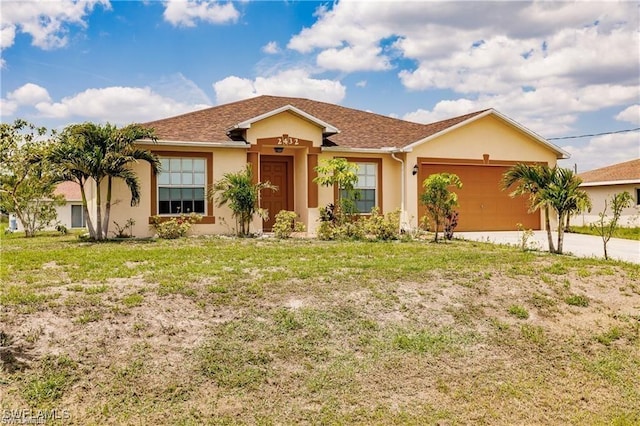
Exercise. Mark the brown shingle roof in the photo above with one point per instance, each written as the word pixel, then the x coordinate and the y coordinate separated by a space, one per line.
pixel 358 129
pixel 70 190
pixel 629 170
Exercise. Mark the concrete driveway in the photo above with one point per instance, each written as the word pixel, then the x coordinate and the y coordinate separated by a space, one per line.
pixel 574 244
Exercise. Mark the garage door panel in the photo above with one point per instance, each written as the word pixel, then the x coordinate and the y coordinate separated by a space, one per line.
pixel 483 206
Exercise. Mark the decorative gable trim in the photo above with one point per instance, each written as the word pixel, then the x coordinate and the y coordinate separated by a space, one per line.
pixel 327 129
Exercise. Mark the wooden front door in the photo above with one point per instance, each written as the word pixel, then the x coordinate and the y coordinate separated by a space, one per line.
pixel 279 171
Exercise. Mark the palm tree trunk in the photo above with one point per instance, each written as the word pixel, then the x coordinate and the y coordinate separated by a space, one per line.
pixel 560 232
pixel 98 212
pixel 85 208
pixel 568 227
pixel 107 212
pixel 547 223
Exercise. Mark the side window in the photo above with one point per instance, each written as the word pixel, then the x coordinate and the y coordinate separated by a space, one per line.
pixel 77 217
pixel 181 185
pixel 367 186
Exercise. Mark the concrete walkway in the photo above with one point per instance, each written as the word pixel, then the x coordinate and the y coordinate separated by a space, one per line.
pixel 574 244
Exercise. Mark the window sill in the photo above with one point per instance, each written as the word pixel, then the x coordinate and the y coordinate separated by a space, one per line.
pixel 205 219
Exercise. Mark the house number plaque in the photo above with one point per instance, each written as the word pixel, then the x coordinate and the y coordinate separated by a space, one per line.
pixel 286 140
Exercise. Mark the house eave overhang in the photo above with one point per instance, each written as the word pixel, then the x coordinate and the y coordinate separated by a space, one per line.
pixel 204 144
pixel 560 153
pixel 611 182
pixel 384 150
pixel 327 129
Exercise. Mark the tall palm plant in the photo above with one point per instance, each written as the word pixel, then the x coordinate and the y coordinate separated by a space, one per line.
pixel 103 152
pixel 242 195
pixel 531 180
pixel 563 194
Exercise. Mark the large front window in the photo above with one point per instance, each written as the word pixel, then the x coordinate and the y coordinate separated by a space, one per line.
pixel 181 186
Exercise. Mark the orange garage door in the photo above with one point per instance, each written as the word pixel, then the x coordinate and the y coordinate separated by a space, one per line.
pixel 483 205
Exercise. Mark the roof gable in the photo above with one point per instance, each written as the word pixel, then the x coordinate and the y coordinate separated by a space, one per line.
pixel 326 127
pixel 443 127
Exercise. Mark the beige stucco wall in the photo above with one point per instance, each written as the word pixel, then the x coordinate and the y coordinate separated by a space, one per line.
pixel 225 160
pixel 598 195
pixel 488 135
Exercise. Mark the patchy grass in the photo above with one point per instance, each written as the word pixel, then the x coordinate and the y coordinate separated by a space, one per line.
pixel 225 331
pixel 628 233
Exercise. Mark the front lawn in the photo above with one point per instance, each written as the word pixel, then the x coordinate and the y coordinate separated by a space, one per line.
pixel 626 233
pixel 217 330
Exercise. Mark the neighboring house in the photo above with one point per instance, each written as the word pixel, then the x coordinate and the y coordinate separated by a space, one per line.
pixel 70 214
pixel 601 184
pixel 284 139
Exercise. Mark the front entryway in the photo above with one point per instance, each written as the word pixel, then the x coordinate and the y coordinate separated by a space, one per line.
pixel 279 171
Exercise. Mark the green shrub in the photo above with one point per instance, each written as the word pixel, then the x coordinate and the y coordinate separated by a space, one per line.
pixel 383 227
pixel 175 227
pixel 286 224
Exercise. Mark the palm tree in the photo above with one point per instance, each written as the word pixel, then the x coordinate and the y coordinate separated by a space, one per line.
pixel 94 151
pixel 243 195
pixel 563 194
pixel 532 179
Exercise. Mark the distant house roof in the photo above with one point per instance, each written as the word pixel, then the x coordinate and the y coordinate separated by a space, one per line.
pixel 70 190
pixel 342 126
pixel 621 173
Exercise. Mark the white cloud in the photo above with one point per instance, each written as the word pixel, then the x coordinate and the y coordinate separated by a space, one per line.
pixel 362 83
pixel 549 111
pixel 603 151
pixel 271 48
pixel 295 83
pixel 187 12
pixel 7 107
pixel 115 104
pixel 542 62
pixel 29 94
pixel 350 59
pixel 46 22
pixel 630 114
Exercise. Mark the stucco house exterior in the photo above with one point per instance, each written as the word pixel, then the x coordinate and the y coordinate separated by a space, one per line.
pixel 601 184
pixel 285 138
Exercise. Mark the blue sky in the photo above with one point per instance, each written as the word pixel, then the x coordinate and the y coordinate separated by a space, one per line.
pixel 560 69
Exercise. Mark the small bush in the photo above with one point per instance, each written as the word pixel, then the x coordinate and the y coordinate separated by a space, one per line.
pixel 61 228
pixel 519 311
pixel 286 224
pixel 577 300
pixel 383 227
pixel 175 227
pixel 125 231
